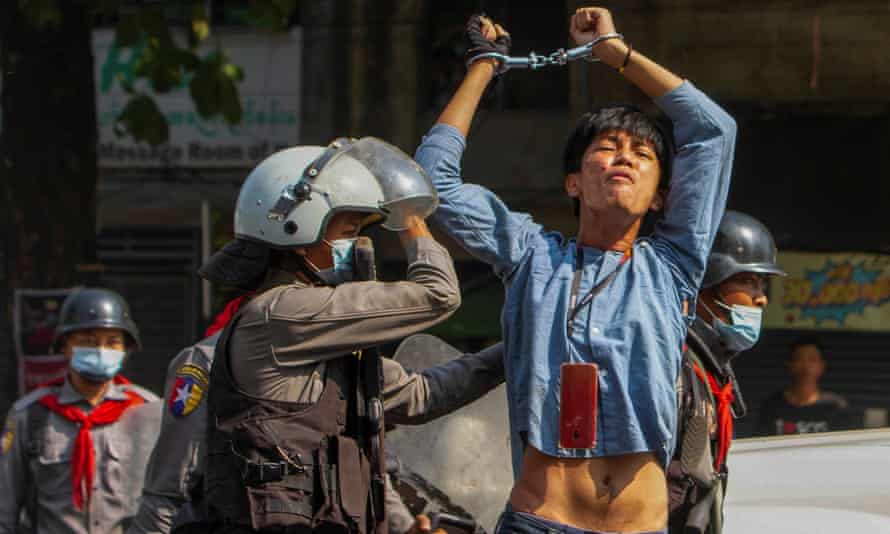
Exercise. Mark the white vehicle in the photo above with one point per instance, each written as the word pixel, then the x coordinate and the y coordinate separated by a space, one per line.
pixel 836 482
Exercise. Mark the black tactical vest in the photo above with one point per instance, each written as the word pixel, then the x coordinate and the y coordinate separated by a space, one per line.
pixel 277 466
pixel 696 488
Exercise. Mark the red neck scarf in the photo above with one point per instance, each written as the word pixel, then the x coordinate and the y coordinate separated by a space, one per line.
pixel 225 316
pixel 724 396
pixel 83 458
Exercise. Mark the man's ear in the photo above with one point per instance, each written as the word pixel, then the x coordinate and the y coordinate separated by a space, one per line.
pixel 657 203
pixel 571 184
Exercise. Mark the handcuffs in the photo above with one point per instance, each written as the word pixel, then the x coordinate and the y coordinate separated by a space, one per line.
pixel 560 57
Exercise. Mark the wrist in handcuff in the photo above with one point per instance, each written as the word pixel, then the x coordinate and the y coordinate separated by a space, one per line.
pixel 496 60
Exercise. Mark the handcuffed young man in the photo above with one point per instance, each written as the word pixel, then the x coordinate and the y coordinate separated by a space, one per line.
pixel 605 297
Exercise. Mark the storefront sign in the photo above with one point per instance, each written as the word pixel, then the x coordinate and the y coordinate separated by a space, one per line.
pixel 270 99
pixel 848 291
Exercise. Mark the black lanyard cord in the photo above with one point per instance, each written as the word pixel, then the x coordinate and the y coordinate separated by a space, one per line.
pixel 594 291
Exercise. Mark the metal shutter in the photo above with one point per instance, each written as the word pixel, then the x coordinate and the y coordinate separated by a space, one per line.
pixel 858 367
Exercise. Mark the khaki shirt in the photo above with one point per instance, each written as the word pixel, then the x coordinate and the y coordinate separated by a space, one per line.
pixel 35 465
pixel 287 333
pixel 366 313
pixel 176 466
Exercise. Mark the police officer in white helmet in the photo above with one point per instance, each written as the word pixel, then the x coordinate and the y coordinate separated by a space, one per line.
pixel 296 397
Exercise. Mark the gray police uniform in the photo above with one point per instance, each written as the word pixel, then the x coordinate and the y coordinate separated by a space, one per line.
pixel 35 465
pixel 176 464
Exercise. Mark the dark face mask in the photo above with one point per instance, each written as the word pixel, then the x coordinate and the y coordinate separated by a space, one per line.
pixel 365 266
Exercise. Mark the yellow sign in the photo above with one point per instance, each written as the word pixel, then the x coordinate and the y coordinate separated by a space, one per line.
pixel 844 291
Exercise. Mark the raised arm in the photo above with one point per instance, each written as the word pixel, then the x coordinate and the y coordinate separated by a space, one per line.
pixel 704 136
pixel 589 23
pixel 472 215
pixel 308 324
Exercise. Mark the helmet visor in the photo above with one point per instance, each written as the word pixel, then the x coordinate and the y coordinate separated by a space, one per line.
pixel 407 190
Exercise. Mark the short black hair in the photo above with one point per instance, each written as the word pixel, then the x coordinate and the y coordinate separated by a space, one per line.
pixel 621 118
pixel 805 341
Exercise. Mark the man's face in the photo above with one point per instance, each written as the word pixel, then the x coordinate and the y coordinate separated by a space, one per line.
pixel 104 338
pixel 343 225
pixel 619 172
pixel 744 289
pixel 806 363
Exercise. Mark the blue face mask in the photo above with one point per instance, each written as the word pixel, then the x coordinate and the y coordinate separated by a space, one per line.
pixel 343 269
pixel 744 331
pixel 97 363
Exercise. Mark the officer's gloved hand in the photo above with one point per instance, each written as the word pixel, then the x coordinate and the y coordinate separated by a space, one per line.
pixel 486 37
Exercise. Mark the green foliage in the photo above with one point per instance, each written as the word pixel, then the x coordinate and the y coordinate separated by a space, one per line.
pixel 213 88
pixel 212 80
pixel 43 14
pixel 200 24
pixel 273 14
pixel 142 120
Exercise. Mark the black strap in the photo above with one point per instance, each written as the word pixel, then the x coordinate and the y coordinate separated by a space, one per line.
pixel 372 377
pixel 262 472
pixel 594 291
pixel 701 348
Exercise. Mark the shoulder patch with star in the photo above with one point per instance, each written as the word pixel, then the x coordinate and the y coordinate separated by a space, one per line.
pixel 188 390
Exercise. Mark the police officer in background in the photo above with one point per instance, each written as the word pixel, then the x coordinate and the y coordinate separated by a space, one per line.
pixel 728 317
pixel 296 398
pixel 74 451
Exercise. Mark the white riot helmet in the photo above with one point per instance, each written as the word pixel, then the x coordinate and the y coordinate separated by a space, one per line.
pixel 289 197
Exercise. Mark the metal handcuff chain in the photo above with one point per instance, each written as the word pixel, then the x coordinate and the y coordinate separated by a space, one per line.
pixel 559 57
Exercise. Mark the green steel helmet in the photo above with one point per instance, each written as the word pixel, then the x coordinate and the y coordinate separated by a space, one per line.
pixel 95 308
pixel 743 245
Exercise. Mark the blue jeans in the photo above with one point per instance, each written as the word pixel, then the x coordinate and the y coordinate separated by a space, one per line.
pixel 513 522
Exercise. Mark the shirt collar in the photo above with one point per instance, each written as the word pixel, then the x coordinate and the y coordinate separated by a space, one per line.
pixel 278 277
pixel 69 395
pixel 715 357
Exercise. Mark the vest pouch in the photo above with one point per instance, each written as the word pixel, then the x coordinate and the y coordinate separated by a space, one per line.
pixel 276 506
pixel 354 481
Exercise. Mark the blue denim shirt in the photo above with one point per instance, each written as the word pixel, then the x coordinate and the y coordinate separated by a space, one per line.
pixel 635 327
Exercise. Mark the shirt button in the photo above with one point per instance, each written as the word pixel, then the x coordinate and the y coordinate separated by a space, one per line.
pixel 595 331
pixel 604 373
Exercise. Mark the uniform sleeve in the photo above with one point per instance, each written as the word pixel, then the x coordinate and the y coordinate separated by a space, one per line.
pixel 472 215
pixel 705 137
pixel 174 467
pixel 15 480
pixel 415 398
pixel 317 323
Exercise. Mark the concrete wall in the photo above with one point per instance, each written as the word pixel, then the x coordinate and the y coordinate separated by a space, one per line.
pixel 829 56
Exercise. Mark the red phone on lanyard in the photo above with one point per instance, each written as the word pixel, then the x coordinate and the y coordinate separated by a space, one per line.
pixel 578 392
